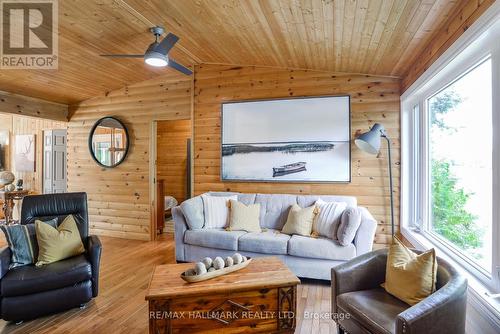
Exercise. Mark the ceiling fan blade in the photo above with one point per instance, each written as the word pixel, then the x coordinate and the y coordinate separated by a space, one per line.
pixel 123 56
pixel 172 63
pixel 168 43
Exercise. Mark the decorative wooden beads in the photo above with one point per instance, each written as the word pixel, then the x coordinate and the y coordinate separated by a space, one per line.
pixel 209 265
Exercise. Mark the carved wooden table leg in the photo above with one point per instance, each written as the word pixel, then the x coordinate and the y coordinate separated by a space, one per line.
pixel 287 308
pixel 6 211
pixel 11 209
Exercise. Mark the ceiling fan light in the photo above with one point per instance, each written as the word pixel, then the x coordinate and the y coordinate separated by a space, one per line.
pixel 157 62
pixel 156 59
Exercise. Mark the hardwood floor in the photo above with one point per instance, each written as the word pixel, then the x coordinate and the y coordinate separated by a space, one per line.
pixel 126 267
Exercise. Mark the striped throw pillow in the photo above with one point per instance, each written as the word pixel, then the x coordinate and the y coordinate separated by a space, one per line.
pixel 216 209
pixel 22 242
pixel 327 221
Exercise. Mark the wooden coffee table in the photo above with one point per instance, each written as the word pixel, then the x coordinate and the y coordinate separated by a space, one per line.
pixel 261 298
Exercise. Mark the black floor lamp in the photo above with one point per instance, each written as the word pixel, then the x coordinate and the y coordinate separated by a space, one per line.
pixel 370 142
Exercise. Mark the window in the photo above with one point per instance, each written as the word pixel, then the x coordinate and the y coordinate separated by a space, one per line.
pixel 101 152
pixel 460 142
pixel 451 156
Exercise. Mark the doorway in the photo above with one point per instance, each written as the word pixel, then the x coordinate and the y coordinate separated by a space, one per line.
pixel 173 169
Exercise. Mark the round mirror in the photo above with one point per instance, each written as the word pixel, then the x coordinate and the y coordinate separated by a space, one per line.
pixel 108 142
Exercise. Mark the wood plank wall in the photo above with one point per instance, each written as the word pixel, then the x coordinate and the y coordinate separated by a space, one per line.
pixel 171 160
pixel 374 99
pixel 457 23
pixel 20 105
pixel 119 201
pixel 21 125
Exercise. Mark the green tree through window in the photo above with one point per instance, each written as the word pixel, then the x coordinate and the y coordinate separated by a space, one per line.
pixel 449 214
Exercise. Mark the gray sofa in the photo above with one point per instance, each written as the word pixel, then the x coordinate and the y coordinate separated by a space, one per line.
pixel 306 256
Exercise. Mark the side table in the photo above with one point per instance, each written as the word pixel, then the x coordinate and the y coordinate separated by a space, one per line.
pixel 8 198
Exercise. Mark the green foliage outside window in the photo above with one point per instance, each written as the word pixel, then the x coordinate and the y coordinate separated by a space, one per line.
pixel 449 214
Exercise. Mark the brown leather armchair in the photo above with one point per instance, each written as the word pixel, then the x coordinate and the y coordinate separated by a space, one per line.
pixel 360 305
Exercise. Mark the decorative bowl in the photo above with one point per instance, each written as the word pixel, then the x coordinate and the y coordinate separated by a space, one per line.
pixel 216 273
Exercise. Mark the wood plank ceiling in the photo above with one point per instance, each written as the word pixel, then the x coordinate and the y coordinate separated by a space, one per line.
pixel 379 37
pixel 88 28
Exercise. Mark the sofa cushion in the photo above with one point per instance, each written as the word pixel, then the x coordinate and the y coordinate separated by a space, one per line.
pixel 193 212
pixel 319 248
pixel 308 200
pixel 246 199
pixel 267 242
pixel 213 238
pixel 375 309
pixel 274 209
pixel 29 279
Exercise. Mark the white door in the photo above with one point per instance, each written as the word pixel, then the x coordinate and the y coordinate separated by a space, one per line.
pixel 54 173
pixel 59 161
pixel 47 162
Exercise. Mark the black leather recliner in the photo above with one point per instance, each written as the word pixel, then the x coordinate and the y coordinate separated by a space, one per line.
pixel 28 292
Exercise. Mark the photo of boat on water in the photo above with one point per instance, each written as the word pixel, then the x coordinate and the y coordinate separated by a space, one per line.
pixel 289 169
pixel 287 140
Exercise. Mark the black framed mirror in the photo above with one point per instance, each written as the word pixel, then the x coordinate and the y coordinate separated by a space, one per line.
pixel 108 142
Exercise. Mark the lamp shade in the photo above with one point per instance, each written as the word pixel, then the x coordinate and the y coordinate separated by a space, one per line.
pixel 370 141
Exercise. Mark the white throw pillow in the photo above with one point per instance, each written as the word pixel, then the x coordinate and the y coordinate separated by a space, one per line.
pixel 216 209
pixel 244 217
pixel 328 219
pixel 300 220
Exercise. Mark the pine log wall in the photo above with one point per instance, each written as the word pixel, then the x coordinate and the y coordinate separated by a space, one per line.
pixel 373 99
pixel 118 198
pixel 119 203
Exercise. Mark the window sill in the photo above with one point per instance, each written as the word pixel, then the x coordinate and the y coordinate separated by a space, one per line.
pixel 478 293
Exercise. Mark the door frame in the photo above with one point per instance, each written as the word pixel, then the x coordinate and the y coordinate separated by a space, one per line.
pixel 152 170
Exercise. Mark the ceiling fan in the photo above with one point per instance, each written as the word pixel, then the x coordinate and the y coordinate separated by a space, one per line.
pixel 157 52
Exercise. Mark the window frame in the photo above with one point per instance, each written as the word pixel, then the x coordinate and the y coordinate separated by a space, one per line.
pixel 426 206
pixel 415 194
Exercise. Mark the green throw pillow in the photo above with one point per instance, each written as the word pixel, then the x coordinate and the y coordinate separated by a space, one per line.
pixel 59 243
pixel 22 242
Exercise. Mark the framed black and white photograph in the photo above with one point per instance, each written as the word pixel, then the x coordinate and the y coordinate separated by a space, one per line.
pixel 287 140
